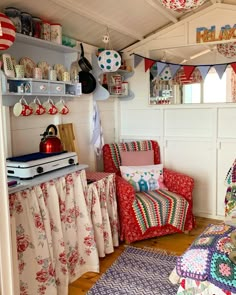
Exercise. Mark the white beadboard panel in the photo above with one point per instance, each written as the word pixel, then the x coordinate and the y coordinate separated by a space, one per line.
pixel 226 157
pixel 196 159
pixel 141 122
pixel 25 141
pixel 227 122
pixel 189 122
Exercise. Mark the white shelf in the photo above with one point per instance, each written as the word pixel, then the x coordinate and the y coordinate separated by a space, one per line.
pixel 27 183
pixel 44 44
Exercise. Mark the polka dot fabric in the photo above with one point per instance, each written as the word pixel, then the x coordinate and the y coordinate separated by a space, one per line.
pixel 109 61
pixel 166 74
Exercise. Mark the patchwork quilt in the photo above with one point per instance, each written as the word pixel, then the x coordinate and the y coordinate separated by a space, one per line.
pixel 207 258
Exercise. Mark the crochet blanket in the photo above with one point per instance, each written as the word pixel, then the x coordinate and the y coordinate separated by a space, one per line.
pixel 158 208
pixel 207 258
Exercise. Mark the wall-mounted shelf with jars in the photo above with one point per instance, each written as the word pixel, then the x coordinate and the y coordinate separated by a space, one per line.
pixel 105 86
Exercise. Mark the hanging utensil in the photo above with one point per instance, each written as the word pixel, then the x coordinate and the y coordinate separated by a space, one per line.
pixel 83 62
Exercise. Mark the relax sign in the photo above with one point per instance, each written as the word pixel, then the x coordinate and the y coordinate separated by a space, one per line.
pixel 210 35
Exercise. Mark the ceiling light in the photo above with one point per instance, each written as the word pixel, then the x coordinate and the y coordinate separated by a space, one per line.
pixel 200 53
pixel 182 5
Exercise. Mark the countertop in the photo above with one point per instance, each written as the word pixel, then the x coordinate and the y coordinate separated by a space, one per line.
pixel 26 183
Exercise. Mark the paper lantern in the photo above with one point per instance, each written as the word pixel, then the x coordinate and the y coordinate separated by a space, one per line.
pixel 109 60
pixel 227 49
pixel 7 32
pixel 182 5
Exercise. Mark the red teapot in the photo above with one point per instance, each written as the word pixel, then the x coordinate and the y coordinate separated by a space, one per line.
pixel 50 143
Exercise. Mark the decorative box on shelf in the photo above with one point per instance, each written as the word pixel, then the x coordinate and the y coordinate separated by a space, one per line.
pixel 15 87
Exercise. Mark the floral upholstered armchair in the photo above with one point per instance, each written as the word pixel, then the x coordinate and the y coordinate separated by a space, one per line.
pixel 150 212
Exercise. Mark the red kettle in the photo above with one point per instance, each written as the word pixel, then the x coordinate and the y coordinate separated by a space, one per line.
pixel 50 143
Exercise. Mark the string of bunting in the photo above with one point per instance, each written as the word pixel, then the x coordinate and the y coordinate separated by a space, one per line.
pixel 157 67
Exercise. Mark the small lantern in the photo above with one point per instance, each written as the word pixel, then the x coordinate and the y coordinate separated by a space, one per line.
pixel 7 32
pixel 227 49
pixel 182 5
pixel 109 61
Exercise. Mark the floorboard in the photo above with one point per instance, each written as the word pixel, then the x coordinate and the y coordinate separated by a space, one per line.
pixel 176 243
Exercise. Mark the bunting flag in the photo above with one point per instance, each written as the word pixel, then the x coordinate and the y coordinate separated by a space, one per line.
pixel 160 67
pixel 204 71
pixel 148 63
pixel 233 65
pixel 137 60
pixel 153 71
pixel 188 70
pixel 220 69
pixel 174 69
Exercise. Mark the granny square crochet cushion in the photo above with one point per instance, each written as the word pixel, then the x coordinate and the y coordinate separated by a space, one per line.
pixel 208 258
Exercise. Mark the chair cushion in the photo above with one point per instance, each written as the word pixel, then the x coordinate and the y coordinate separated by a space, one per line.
pixel 137 158
pixel 144 178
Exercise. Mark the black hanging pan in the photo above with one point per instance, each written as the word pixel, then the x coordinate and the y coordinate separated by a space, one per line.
pixel 83 62
pixel 88 82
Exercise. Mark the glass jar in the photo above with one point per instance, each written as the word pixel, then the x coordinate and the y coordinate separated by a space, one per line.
pixel 15 16
pixel 36 26
pixel 26 23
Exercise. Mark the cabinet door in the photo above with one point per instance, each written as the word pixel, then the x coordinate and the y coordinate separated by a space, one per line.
pixel 197 159
pixel 226 156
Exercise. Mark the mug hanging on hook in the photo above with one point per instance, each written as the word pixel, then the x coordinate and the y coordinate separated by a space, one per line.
pixel 109 60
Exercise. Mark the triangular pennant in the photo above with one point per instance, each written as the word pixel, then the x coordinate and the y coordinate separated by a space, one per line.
pixel 160 67
pixel 204 71
pixel 188 70
pixel 137 60
pixel 174 69
pixel 153 71
pixel 148 63
pixel 233 65
pixel 220 69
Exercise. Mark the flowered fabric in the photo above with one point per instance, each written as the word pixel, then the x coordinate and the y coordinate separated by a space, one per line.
pixel 55 236
pixel 207 258
pixel 175 182
pixel 102 205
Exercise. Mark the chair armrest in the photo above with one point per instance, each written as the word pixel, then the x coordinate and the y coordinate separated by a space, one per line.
pixel 125 191
pixel 179 183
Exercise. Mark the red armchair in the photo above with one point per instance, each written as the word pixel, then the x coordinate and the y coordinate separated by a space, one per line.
pixel 177 183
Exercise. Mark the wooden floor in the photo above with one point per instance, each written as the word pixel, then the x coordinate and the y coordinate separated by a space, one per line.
pixel 176 243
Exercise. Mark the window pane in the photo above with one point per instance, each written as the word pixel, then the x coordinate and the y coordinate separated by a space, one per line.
pixel 214 88
pixel 192 93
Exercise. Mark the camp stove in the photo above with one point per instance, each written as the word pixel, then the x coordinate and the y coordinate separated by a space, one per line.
pixel 31 165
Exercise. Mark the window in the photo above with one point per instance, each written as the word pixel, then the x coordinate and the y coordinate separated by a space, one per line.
pixel 213 89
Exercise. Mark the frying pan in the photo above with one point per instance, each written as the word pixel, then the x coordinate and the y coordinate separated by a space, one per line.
pixel 83 62
pixel 87 81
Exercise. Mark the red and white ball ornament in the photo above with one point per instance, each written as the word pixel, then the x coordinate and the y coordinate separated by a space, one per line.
pixel 182 5
pixel 227 49
pixel 7 32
